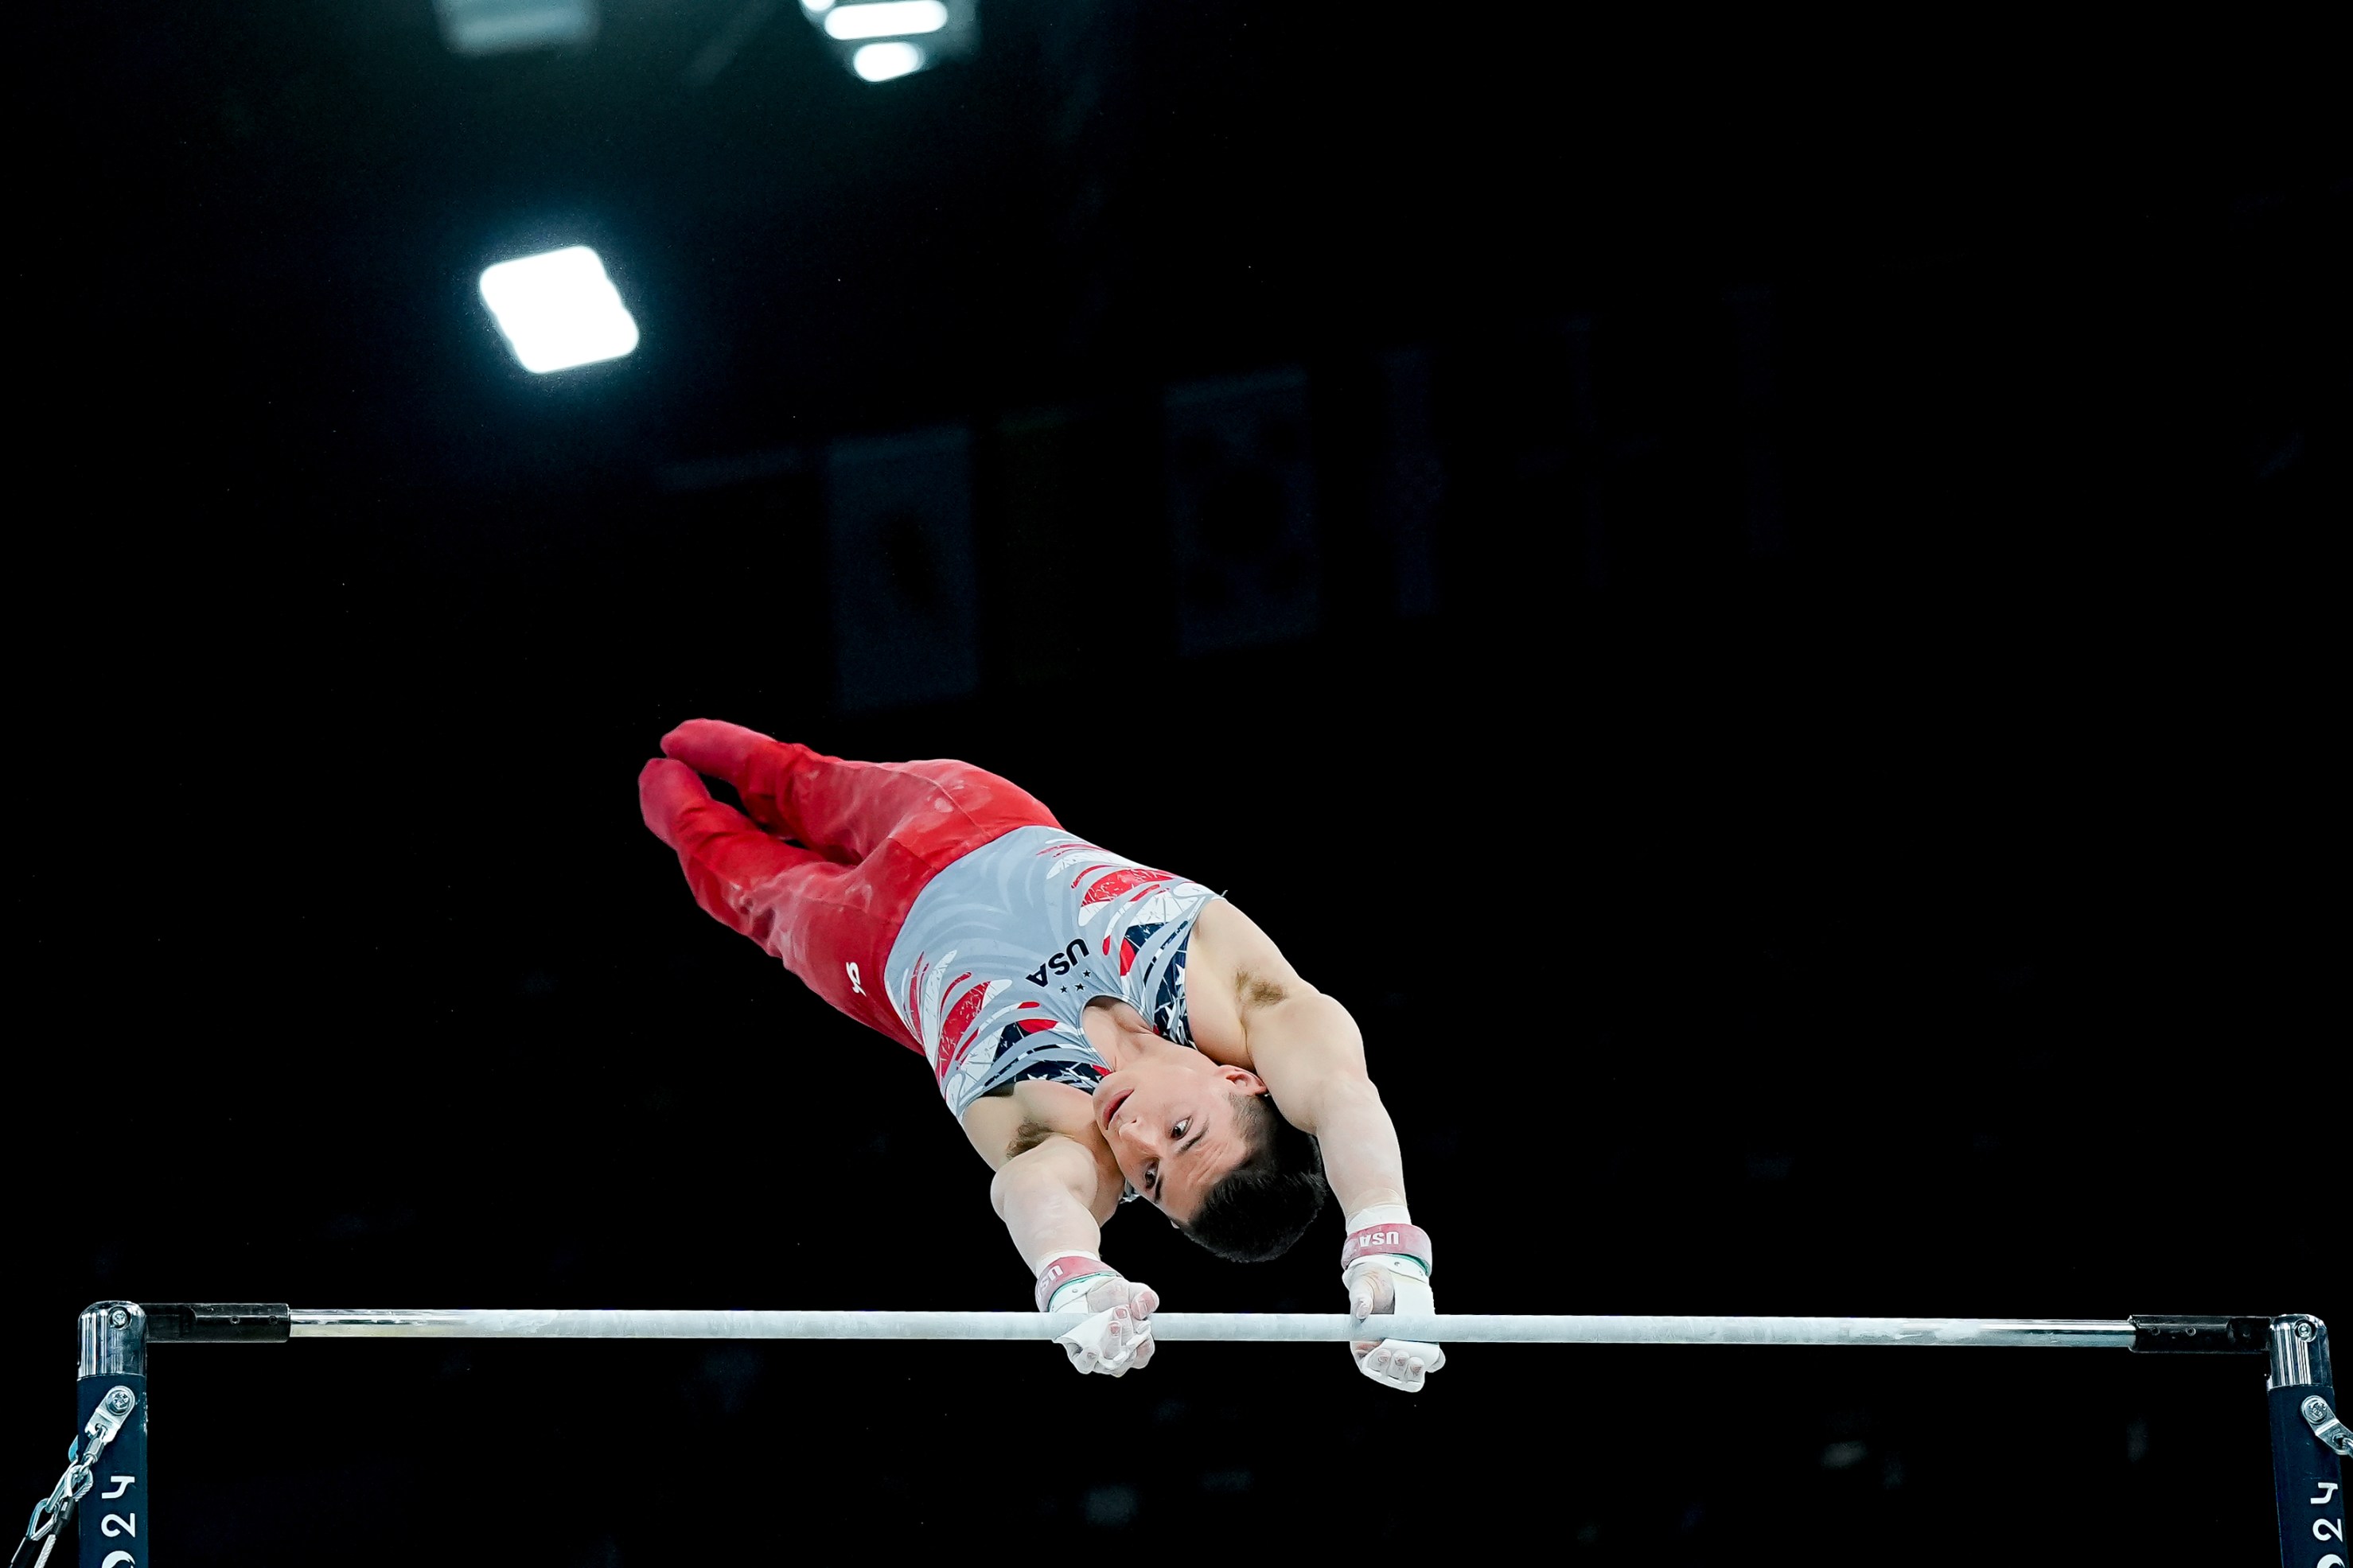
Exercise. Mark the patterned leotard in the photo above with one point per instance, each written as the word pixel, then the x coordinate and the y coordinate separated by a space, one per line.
pixel 1003 950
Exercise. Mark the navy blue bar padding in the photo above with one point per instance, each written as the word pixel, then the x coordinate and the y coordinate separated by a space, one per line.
pixel 2309 1481
pixel 112 1519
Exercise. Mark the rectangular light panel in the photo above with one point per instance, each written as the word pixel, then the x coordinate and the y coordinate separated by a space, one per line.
pixel 559 310
pixel 885 19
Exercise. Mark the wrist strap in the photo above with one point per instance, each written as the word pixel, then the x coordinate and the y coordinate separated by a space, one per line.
pixel 1064 1270
pixel 1404 1240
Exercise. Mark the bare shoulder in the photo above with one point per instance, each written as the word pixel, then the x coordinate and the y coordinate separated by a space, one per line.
pixel 1003 1127
pixel 1234 973
pixel 1239 953
pixel 1261 1014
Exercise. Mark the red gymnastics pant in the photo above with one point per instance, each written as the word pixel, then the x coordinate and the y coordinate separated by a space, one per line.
pixel 864 839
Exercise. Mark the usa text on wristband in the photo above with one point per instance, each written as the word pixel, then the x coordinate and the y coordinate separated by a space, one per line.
pixel 1407 1240
pixel 1064 1270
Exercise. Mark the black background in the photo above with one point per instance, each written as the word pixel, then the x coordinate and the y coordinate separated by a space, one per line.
pixel 1912 898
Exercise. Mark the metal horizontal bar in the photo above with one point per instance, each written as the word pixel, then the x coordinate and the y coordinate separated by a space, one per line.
pixel 570 1323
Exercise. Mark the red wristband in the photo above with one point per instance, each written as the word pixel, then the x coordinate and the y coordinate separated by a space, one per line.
pixel 1062 1271
pixel 1403 1240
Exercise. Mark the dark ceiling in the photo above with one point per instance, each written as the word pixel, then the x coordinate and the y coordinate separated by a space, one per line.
pixel 276 212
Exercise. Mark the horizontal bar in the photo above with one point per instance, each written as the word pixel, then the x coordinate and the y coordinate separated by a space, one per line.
pixel 569 1323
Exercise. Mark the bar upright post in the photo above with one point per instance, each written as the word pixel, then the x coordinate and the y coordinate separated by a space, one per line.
pixel 2308 1445
pixel 114 1518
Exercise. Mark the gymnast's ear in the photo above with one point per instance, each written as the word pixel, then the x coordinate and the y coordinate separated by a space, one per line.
pixel 1241 1080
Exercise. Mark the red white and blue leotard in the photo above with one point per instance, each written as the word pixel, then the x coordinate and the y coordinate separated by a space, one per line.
pixel 1003 950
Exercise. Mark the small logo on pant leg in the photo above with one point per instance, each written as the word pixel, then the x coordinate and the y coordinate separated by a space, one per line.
pixel 854 983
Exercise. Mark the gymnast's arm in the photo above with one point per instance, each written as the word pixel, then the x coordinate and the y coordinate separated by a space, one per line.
pixel 1311 1055
pixel 1053 1192
pixel 1050 1196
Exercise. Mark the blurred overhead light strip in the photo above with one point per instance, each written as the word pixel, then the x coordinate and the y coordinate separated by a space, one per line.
pixel 504 26
pixel 885 19
pixel 876 38
pixel 880 62
pixel 559 310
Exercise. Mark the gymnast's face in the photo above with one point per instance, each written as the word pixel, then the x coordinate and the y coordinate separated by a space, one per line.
pixel 1170 1122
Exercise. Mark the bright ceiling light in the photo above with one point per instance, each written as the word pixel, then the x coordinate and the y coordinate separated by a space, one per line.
pixel 886 20
pixel 880 62
pixel 559 310
pixel 881 40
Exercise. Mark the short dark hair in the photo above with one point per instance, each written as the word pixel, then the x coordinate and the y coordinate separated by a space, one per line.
pixel 1268 1200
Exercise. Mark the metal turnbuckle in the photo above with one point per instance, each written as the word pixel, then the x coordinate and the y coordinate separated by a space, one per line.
pixel 52 1513
pixel 2334 1434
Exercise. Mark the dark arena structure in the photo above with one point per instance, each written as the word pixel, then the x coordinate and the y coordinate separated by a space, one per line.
pixel 737 685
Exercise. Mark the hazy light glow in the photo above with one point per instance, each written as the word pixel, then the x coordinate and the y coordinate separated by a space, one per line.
pixel 814 6
pixel 559 310
pixel 886 20
pixel 880 62
pixel 501 26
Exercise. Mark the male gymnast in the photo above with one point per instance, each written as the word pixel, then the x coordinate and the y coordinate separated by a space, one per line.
pixel 1101 1031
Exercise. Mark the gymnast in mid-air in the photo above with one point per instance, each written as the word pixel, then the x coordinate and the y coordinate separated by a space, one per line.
pixel 1103 1031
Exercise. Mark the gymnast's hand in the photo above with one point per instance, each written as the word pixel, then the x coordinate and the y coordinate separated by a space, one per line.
pixel 1381 1284
pixel 1117 1338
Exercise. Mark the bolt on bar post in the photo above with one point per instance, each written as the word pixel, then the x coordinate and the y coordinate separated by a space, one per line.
pixel 2307 1471
pixel 112 1519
